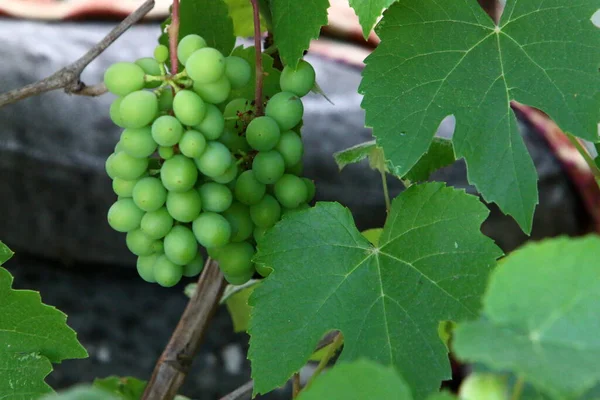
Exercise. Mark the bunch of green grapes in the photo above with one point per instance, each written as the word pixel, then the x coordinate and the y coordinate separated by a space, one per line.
pixel 196 167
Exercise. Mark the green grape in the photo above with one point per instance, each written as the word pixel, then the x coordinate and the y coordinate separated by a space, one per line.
pixel 215 197
pixel 139 243
pixel 233 141
pixel 211 230
pixel 149 194
pixel 124 215
pixel 239 279
pixel 248 189
pixel 189 44
pixel 236 259
pixel 238 71
pixel 268 167
pixel 205 65
pixel 215 160
pixel 213 123
pixel 145 267
pixel 263 270
pixel 259 233
pixel 123 78
pixel 291 191
pixel 167 273
pixel 295 169
pixel 138 109
pixel 228 176
pixel 179 174
pixel 192 144
pixel 195 267
pixel 215 92
pixel 123 188
pixel 156 224
pixel 301 207
pixel 483 386
pixel 310 188
pixel 118 147
pixel 115 112
pixel 123 166
pixel 166 152
pixel 299 81
pixel 150 67
pixel 109 166
pixel 184 206
pixel 161 53
pixel 291 148
pixel 180 245
pixel 263 133
pixel 167 130
pixel 165 99
pixel 237 114
pixel 138 142
pixel 285 108
pixel 189 108
pixel 266 212
pixel 238 216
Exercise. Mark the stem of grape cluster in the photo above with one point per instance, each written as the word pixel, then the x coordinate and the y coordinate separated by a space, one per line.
pixel 296 385
pixel 386 192
pixel 174 36
pixel 259 68
pixel 517 389
pixel 333 348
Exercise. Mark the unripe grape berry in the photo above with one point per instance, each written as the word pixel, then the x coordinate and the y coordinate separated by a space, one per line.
pixel 166 152
pixel 181 246
pixel 285 211
pixel 238 216
pixel 215 92
pixel 215 160
pixel 149 194
pixel 311 189
pixel 195 267
pixel 138 142
pixel 215 197
pixel 238 71
pixel 150 67
pixel 179 174
pixel 211 230
pixel 184 206
pixel 115 112
pixel 266 212
pixel 123 166
pixel 156 224
pixel 167 273
pixel 263 133
pixel 286 108
pixel 295 169
pixel 161 53
pixel 268 167
pixel 239 279
pixel 145 267
pixel 248 190
pixel 236 259
pixel 259 233
pixel 290 147
pixel 189 108
pixel 123 188
pixel 291 191
pixel 233 141
pixel 109 166
pixel 483 386
pixel 138 109
pixel 167 130
pixel 213 123
pixel 299 81
pixel 124 215
pixel 139 243
pixel 189 44
pixel 192 144
pixel 123 78
pixel 205 65
pixel 228 176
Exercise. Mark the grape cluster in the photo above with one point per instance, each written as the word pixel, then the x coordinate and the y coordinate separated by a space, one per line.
pixel 196 166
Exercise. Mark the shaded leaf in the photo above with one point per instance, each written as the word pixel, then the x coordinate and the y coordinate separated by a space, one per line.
pixel 81 392
pixel 240 12
pixel 237 305
pixel 439 155
pixel 123 388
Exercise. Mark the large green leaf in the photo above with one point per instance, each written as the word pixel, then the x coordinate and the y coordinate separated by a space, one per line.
pixel 541 317
pixel 270 80
pixel 359 380
pixel 295 23
pixel 431 265
pixel 33 335
pixel 368 11
pixel 123 388
pixel 441 58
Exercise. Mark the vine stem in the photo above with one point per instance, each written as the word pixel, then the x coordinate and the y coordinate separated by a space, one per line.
pixel 584 153
pixel 296 385
pixel 69 77
pixel 258 102
pixel 386 192
pixel 335 345
pixel 518 389
pixel 174 37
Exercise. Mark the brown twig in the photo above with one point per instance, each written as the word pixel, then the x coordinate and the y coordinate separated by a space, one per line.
pixel 176 360
pixel 174 36
pixel 296 385
pixel 240 393
pixel 69 77
pixel 258 98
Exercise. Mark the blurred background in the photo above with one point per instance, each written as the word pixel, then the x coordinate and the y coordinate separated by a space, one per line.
pixel 54 192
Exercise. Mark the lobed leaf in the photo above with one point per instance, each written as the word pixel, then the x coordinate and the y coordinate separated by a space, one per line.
pixel 368 11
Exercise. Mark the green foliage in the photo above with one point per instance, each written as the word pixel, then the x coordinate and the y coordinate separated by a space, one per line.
pixel 5 253
pixel 295 24
pixel 431 265
pixel 240 12
pixel 236 300
pixel 436 60
pixel 270 81
pixel 82 392
pixel 368 11
pixel 122 388
pixel 359 380
pixel 540 317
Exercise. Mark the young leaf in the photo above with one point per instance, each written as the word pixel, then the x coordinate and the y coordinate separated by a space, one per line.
pixel 354 154
pixel 295 23
pixel 435 60
pixel 123 388
pixel 270 81
pixel 368 11
pixel 5 253
pixel 358 380
pixel 540 317
pixel 240 12
pixel 237 305
pixel 431 265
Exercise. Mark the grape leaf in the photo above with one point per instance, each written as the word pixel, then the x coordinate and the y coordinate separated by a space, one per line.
pixel 123 388
pixel 540 317
pixel 373 235
pixel 368 11
pixel 32 335
pixel 240 12
pixel 442 396
pixel 82 392
pixel 237 305
pixel 295 23
pixel 437 59
pixel 359 380
pixel 354 154
pixel 5 253
pixel 431 265
pixel 270 81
